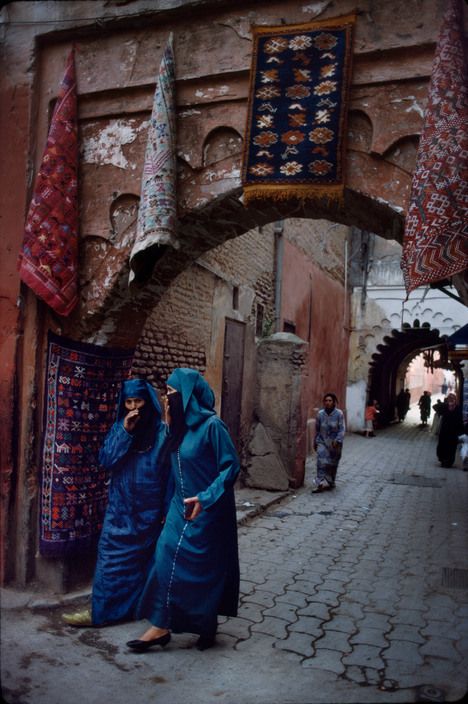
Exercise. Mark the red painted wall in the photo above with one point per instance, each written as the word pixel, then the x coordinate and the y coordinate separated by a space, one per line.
pixel 315 302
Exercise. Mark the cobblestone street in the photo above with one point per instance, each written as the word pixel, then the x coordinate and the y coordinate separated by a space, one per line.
pixel 355 595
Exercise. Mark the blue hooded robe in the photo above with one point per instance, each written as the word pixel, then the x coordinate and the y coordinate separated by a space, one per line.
pixel 134 512
pixel 195 575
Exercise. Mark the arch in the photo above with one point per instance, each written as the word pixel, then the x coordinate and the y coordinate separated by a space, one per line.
pixel 220 143
pixel 402 346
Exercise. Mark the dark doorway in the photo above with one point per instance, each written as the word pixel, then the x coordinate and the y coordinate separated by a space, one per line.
pixel 233 369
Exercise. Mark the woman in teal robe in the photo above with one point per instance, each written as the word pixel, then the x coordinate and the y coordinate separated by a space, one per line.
pixel 135 509
pixel 195 575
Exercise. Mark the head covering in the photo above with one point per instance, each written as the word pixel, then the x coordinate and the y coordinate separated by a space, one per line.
pixel 137 388
pixel 150 422
pixel 198 398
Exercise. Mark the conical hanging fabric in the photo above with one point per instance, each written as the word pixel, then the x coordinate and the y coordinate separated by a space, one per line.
pixel 157 215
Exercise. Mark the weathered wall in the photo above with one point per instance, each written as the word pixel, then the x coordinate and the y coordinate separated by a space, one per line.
pixel 318 304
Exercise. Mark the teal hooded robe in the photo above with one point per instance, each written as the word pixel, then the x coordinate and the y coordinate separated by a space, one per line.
pixel 195 574
pixel 135 508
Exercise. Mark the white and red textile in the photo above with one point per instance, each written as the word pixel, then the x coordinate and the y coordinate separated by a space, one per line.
pixel 435 243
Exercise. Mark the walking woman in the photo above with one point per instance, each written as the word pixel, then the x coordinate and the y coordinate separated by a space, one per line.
pixel 195 575
pixel 451 427
pixel 134 512
pixel 328 442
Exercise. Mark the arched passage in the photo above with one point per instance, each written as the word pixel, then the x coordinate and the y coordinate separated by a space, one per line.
pixel 401 348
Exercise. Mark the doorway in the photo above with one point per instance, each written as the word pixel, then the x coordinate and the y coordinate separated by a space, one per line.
pixel 233 371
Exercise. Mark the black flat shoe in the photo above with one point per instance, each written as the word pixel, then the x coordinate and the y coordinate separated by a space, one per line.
pixel 141 646
pixel 205 642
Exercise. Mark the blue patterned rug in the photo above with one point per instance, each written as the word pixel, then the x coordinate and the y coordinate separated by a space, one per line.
pixel 296 128
pixel 82 387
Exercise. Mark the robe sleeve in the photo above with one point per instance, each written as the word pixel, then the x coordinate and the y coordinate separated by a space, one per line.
pixel 317 428
pixel 341 428
pixel 116 444
pixel 227 463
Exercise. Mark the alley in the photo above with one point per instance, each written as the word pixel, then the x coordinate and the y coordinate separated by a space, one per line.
pixel 356 595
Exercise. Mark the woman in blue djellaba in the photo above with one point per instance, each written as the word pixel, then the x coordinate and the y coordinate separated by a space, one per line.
pixel 135 509
pixel 195 575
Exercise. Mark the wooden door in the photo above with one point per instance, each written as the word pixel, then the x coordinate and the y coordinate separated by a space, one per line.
pixel 233 369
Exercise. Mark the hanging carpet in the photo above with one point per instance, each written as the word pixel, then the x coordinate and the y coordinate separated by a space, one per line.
pixel 296 126
pixel 82 388
pixel 48 261
pixel 435 245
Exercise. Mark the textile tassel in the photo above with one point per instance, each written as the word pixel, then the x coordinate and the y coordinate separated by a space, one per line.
pixel 48 261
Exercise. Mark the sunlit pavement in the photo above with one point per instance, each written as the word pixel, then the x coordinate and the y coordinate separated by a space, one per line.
pixel 354 595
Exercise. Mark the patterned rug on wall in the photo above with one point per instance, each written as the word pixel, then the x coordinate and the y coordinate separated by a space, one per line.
pixel 298 102
pixel 82 387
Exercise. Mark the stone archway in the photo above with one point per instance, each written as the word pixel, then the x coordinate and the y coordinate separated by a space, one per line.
pixel 118 54
pixel 386 363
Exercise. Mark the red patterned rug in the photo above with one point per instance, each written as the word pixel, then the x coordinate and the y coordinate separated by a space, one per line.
pixel 436 230
pixel 48 261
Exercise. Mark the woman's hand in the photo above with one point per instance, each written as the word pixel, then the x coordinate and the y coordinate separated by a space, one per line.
pixel 131 419
pixel 193 508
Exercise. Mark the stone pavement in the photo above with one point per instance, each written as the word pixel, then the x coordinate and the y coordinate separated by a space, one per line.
pixel 354 595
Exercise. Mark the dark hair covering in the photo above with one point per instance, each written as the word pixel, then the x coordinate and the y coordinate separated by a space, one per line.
pixel 145 432
pixel 333 396
pixel 192 402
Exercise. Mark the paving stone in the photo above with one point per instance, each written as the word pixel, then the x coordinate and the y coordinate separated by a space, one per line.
pixel 282 610
pixel 365 656
pixel 237 627
pixel 251 612
pixel 345 624
pixel 334 640
pixel 441 648
pixel 410 618
pixel 262 598
pixel 299 643
pixel 292 597
pixel 369 636
pixel 326 660
pixel 372 619
pixel 401 632
pixel 441 629
pixel 356 674
pixel 357 596
pixel 348 608
pixel 404 650
pixel 271 626
pixel 307 624
pixel 317 609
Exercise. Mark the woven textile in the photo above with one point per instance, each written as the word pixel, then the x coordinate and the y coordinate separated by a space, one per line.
pixel 48 261
pixel 82 387
pixel 295 136
pixel 436 229
pixel 157 214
